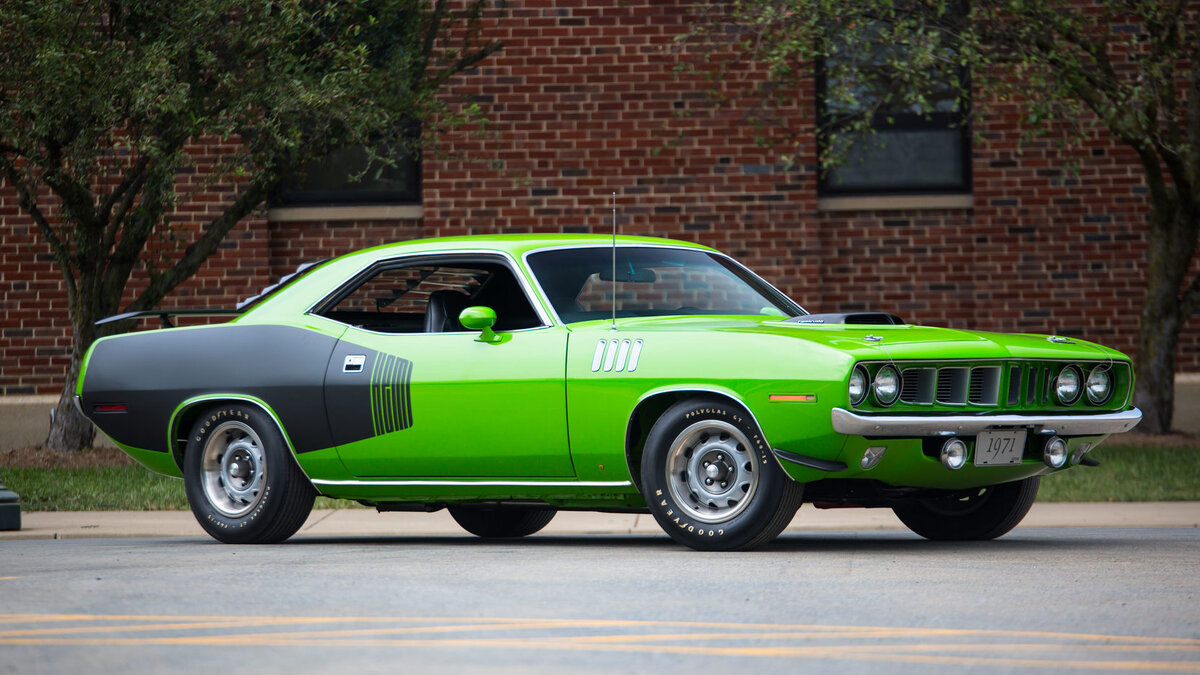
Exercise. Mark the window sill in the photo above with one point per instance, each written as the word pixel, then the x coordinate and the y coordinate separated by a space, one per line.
pixel 896 202
pixel 292 214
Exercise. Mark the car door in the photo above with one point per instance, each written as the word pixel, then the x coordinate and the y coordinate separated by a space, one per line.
pixel 410 393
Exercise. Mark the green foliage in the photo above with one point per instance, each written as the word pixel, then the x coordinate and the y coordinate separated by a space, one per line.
pixel 127 487
pixel 1129 474
pixel 1126 63
pixel 1076 70
pixel 100 99
pixel 1125 474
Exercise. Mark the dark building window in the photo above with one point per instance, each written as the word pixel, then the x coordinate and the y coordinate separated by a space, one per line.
pixel 908 150
pixel 346 177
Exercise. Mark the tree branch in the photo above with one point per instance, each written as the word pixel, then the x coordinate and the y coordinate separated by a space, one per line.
pixel 1191 298
pixel 466 62
pixel 431 33
pixel 125 189
pixel 198 252
pixel 62 254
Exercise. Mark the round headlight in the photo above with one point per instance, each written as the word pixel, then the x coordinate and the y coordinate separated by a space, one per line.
pixel 1055 453
pixel 886 386
pixel 1099 385
pixel 1067 385
pixel 954 454
pixel 858 385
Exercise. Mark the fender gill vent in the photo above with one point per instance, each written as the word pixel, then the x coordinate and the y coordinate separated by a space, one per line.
pixel 391 407
pixel 617 356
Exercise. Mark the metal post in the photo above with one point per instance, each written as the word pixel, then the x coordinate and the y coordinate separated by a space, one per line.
pixel 10 509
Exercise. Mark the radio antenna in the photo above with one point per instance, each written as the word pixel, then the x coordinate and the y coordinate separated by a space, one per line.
pixel 614 261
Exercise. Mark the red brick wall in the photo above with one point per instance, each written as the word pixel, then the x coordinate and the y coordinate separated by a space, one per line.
pixel 585 104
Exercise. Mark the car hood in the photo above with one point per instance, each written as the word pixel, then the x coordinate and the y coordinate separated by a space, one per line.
pixel 867 342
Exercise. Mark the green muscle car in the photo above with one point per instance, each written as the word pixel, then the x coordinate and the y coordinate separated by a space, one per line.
pixel 508 377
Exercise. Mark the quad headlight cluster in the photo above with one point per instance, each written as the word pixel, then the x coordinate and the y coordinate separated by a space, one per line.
pixel 885 386
pixel 1070 384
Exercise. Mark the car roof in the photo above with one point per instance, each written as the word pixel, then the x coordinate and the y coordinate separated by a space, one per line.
pixel 517 245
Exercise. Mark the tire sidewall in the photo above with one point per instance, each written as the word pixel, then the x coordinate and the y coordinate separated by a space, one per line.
pixel 250 526
pixel 998 512
pixel 681 526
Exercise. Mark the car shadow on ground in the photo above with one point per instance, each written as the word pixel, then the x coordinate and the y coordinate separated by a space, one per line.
pixel 1033 540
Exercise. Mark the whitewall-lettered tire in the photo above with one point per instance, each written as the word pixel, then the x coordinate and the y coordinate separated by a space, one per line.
pixel 712 482
pixel 242 482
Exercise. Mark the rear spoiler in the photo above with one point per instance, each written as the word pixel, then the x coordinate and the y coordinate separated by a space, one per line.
pixel 165 315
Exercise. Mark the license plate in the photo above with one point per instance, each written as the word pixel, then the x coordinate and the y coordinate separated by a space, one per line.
pixel 999 448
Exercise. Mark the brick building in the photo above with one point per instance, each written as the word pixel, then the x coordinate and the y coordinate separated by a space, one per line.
pixel 585 104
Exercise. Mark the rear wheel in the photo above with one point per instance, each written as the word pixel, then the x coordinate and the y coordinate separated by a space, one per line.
pixel 985 513
pixel 711 481
pixel 242 482
pixel 498 521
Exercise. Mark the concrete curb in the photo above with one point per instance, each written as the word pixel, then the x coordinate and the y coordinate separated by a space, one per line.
pixel 367 523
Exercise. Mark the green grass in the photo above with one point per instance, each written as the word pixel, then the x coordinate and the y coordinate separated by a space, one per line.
pixel 110 488
pixel 1129 474
pixel 1125 474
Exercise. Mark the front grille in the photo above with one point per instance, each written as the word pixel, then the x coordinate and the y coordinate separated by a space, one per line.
pixel 1011 384
pixel 1014 385
pixel 917 385
pixel 952 385
pixel 985 386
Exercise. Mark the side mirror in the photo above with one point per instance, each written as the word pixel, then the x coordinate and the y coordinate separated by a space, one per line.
pixel 480 319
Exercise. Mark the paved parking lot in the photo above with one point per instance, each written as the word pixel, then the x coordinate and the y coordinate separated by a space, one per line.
pixel 1044 599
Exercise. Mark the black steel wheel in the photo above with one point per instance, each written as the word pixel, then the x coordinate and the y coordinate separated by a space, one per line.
pixel 711 481
pixel 242 482
pixel 985 513
pixel 500 521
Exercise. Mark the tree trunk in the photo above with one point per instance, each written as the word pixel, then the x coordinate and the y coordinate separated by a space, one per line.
pixel 1169 250
pixel 70 431
pixel 1158 342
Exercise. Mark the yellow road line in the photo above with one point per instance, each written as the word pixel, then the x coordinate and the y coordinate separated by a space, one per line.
pixel 925 646
pixel 863 631
pixel 838 652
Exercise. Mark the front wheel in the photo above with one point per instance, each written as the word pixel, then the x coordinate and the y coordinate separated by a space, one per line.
pixel 984 513
pixel 493 522
pixel 711 481
pixel 242 482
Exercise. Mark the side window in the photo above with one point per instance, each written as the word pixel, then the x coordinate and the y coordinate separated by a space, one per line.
pixel 427 297
pixel 346 177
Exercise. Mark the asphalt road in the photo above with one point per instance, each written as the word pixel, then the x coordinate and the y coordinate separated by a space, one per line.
pixel 1069 600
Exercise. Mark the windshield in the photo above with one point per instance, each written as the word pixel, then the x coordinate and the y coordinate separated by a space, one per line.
pixel 649 281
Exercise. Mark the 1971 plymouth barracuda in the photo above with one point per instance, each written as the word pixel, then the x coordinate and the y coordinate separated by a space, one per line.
pixel 508 377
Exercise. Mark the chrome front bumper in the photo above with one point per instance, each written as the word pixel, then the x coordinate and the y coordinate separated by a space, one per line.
pixel 846 422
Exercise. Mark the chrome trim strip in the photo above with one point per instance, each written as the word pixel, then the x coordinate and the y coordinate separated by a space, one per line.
pixel 470 483
pixel 257 402
pixel 708 389
pixel 846 422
